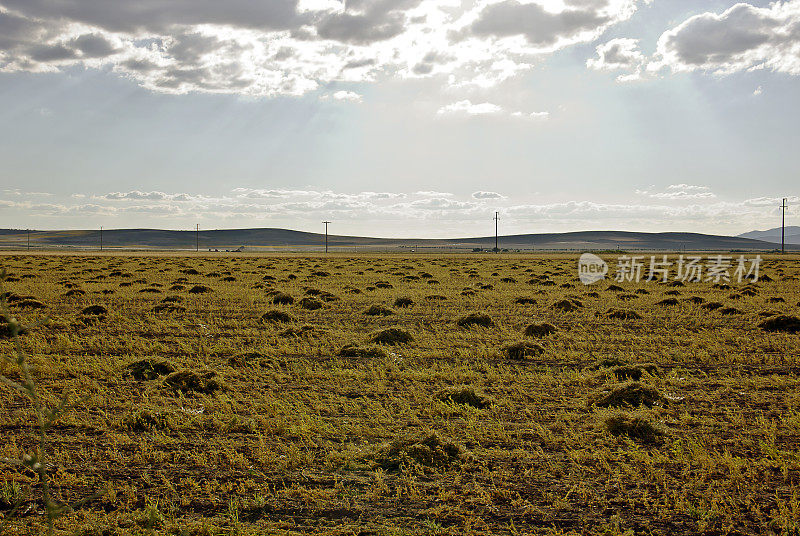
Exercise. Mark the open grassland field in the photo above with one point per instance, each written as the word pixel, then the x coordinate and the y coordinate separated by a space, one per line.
pixel 360 395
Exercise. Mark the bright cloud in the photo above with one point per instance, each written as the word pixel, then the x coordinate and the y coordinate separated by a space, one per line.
pixel 415 211
pixel 286 47
pixel 466 107
pixel 680 192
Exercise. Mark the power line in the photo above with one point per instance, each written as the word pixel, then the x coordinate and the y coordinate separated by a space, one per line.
pixel 197 237
pixel 326 235
pixel 496 220
pixel 101 238
pixel 783 225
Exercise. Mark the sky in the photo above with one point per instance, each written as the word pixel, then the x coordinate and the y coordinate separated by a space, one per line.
pixel 400 118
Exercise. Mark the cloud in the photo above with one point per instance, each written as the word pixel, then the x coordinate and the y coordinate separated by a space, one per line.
pixel 680 192
pixel 742 38
pixel 466 107
pixel 349 96
pixel 429 193
pixel 540 116
pixel 758 91
pixel 619 54
pixel 136 195
pixel 291 47
pixel 487 195
pixel 540 27
pixel 415 213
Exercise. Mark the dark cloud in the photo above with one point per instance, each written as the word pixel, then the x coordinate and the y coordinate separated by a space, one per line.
pixel 539 26
pixel 709 38
pixel 743 37
pixel 159 16
pixel 366 21
pixel 93 46
pixel 47 53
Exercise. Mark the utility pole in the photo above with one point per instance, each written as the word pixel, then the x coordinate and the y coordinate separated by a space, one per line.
pixel 783 225
pixel 29 239
pixel 326 235
pixel 101 238
pixel 197 237
pixel 496 219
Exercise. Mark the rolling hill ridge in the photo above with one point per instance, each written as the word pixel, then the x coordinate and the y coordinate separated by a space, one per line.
pixel 288 239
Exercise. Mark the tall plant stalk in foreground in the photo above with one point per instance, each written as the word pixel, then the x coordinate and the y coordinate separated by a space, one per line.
pixel 46 417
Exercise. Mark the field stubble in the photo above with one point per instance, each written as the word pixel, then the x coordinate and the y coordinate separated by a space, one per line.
pixel 357 412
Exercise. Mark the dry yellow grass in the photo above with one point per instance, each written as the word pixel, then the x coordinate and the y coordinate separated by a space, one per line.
pixel 202 417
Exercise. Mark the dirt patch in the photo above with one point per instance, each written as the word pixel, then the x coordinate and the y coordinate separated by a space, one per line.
pixel 149 369
pixel 276 315
pixel 200 289
pixel 378 310
pixel 403 302
pixel 392 336
pixel 147 420
pixel 782 323
pixel 540 330
pixel 432 451
pixel 465 395
pixel 94 310
pixel 190 381
pixel 637 427
pixel 567 305
pixel 311 304
pixel 632 394
pixel 281 298
pixel 28 303
pixel 476 319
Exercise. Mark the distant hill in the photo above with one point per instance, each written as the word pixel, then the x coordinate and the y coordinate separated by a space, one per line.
pixel 774 235
pixel 285 238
